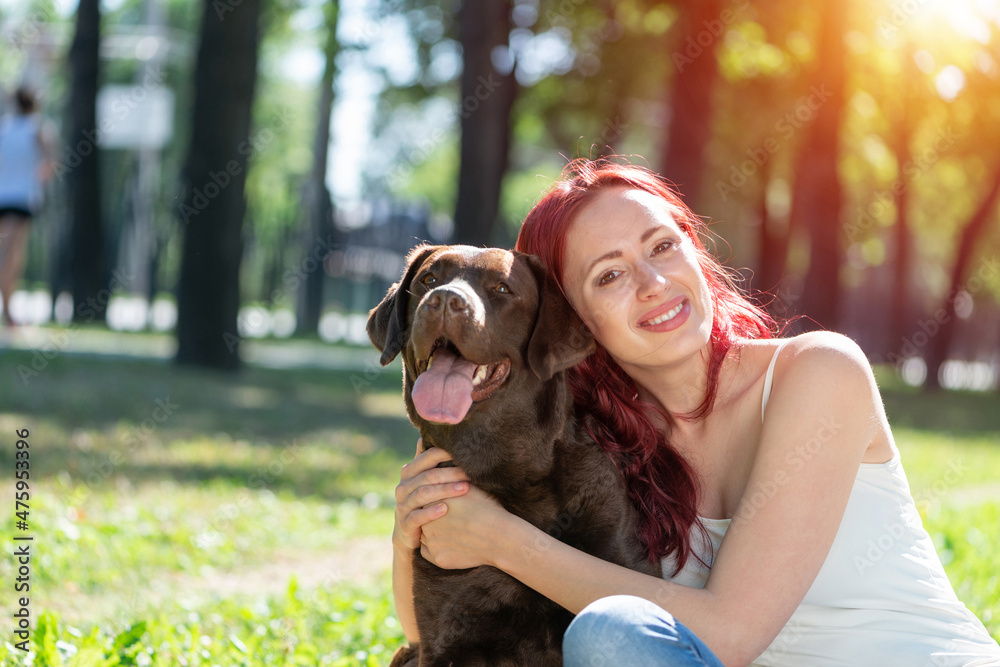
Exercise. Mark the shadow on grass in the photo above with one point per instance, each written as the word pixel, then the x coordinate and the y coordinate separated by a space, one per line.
pixel 954 413
pixel 305 430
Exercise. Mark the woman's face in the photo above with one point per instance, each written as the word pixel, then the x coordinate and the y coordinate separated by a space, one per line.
pixel 633 276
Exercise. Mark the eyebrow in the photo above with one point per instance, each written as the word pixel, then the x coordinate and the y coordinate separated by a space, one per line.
pixel 618 253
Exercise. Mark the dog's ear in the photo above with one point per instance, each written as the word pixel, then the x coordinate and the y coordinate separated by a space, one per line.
pixel 560 340
pixel 387 321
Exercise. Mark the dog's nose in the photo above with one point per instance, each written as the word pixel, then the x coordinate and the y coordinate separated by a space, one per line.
pixel 450 299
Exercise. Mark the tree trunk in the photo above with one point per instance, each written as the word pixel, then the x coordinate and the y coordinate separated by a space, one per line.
pixel 818 198
pixel 320 204
pixel 487 99
pixel 901 308
pixel 944 317
pixel 772 250
pixel 695 73
pixel 88 265
pixel 214 176
pixel 901 318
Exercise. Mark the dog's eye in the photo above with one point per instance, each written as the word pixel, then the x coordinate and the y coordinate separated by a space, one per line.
pixel 429 279
pixel 502 288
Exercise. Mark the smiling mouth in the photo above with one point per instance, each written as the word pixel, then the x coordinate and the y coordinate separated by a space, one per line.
pixel 486 378
pixel 669 315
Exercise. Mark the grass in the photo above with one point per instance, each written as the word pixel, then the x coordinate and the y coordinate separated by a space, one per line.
pixel 183 517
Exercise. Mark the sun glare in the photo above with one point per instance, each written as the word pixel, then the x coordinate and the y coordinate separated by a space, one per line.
pixel 969 19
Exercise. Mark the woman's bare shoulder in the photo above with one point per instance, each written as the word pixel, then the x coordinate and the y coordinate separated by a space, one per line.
pixel 823 352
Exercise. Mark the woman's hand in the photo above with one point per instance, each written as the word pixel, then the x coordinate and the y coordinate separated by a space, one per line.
pixel 421 489
pixel 468 534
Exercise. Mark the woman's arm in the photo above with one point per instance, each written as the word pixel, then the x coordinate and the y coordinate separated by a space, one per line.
pixel 421 488
pixel 822 416
pixel 402 591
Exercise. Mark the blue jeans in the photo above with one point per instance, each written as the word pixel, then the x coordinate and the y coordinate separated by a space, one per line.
pixel 626 631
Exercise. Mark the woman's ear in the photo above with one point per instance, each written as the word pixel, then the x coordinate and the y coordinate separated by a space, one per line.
pixel 560 339
pixel 387 321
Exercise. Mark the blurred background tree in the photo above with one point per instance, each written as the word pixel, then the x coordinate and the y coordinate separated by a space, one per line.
pixel 845 151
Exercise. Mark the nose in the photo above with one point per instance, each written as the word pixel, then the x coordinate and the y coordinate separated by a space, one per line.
pixel 650 281
pixel 449 300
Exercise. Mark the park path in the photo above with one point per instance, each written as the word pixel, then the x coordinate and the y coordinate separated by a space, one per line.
pixel 290 353
pixel 356 563
pixel 359 561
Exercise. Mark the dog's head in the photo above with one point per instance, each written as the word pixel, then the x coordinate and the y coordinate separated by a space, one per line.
pixel 478 328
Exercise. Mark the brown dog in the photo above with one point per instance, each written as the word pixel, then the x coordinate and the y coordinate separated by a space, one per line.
pixel 485 337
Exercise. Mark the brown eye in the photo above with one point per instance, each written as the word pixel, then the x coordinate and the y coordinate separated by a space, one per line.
pixel 663 246
pixel 429 279
pixel 607 278
pixel 502 288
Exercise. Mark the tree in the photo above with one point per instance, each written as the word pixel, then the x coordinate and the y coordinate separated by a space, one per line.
pixel 318 200
pixel 89 272
pixel 487 97
pixel 973 229
pixel 214 176
pixel 818 197
pixel 695 73
pixel 901 137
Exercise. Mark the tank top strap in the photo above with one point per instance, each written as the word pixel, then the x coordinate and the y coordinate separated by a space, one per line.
pixel 768 377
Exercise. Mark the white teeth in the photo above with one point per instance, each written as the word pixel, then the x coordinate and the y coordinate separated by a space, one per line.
pixel 666 316
pixel 479 376
pixel 429 362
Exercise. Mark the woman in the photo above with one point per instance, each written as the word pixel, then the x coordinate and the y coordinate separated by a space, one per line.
pixel 764 470
pixel 23 169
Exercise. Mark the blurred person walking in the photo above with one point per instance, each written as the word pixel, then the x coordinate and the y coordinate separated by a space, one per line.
pixel 24 168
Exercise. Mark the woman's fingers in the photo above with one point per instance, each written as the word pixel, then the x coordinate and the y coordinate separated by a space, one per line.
pixel 421 489
pixel 422 471
pixel 434 485
pixel 424 461
pixel 411 523
pixel 415 520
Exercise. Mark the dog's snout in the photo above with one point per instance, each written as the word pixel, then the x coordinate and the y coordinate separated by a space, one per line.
pixel 456 302
pixel 450 300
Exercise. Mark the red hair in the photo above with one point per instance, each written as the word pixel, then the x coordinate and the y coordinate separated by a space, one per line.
pixel 660 482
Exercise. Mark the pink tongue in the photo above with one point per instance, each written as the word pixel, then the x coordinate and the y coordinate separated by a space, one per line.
pixel 443 393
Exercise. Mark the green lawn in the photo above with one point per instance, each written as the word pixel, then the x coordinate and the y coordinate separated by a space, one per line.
pixel 183 517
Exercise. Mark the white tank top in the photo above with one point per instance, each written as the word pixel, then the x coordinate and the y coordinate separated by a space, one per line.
pixel 20 156
pixel 881 598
